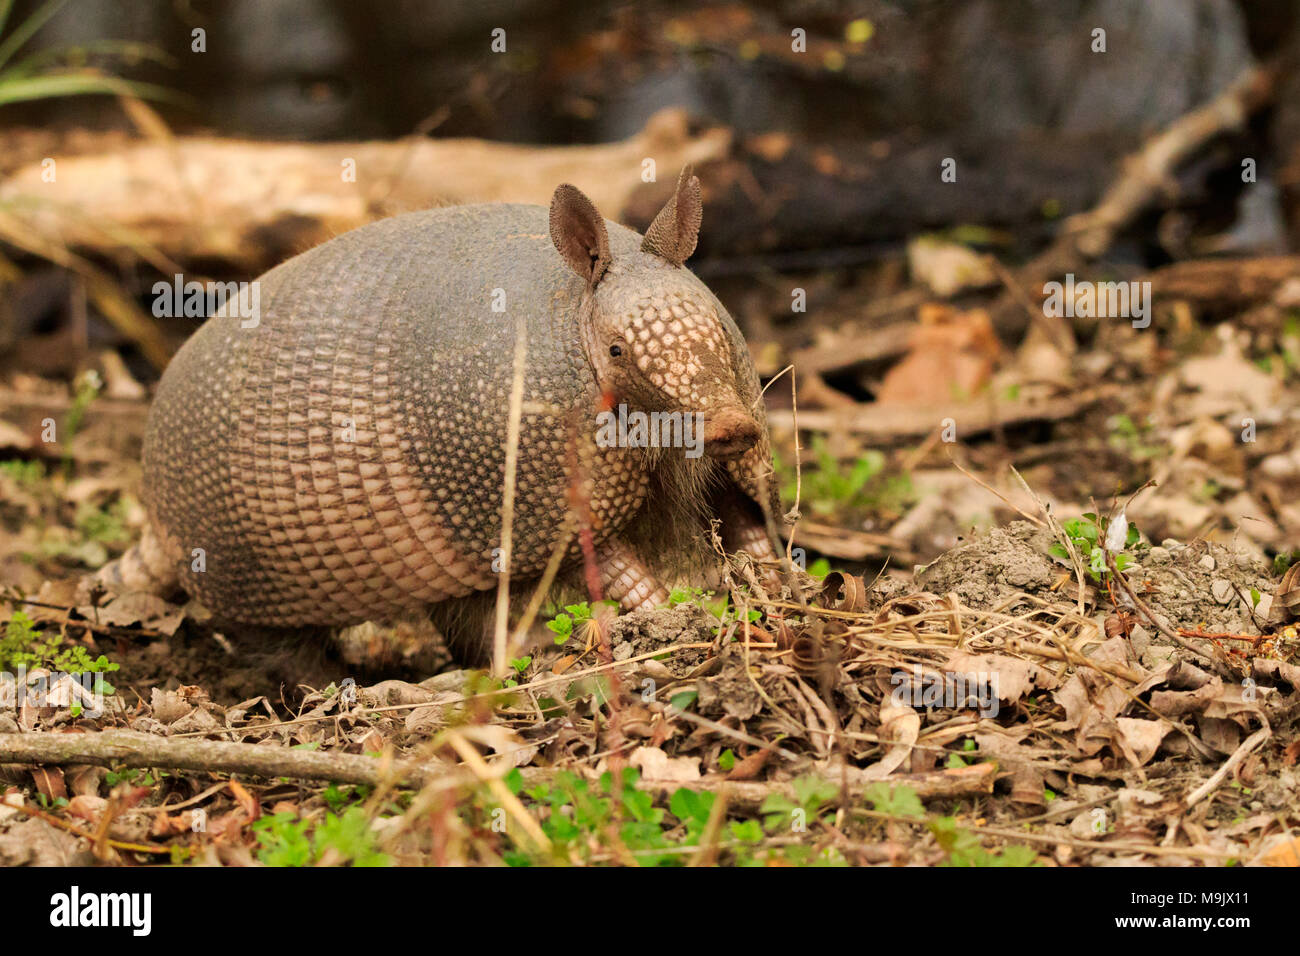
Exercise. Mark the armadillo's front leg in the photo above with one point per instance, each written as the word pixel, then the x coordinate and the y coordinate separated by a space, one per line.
pixel 625 578
pixel 743 529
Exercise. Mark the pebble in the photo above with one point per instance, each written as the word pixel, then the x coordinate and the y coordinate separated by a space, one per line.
pixel 1207 562
pixel 1158 555
pixel 1084 826
pixel 1264 608
pixel 1222 590
pixel 1140 639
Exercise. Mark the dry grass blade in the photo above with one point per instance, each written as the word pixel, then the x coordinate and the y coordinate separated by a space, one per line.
pixel 500 651
pixel 493 780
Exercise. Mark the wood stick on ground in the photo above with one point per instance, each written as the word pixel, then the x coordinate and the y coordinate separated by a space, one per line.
pixel 124 748
pixel 890 423
pixel 748 796
pixel 1238 755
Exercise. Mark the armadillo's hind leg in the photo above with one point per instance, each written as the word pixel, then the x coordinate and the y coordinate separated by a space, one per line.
pixel 625 578
pixel 143 567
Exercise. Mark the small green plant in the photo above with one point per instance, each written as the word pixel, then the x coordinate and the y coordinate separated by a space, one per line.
pixel 828 487
pixel 718 605
pixel 87 388
pixel 684 699
pixel 1282 562
pixel 819 568
pixel 340 839
pixel 27 475
pixel 134 776
pixel 1087 533
pixel 338 797
pixel 1132 439
pixel 24 646
pixel 578 815
pixel 610 817
pixel 562 625
pixel 963 847
pixel 898 801
pixel 1286 360
pixel 960 846
pixel 103 525
pixel 682 595
pixel 812 794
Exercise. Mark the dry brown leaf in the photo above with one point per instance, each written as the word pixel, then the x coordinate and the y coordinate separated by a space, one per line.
pixel 167 706
pixel 901 726
pixel 1140 739
pixel 1014 677
pixel 749 767
pixel 948 267
pixel 134 608
pixel 1286 853
pixel 49 781
pixel 248 802
pixel 952 354
pixel 86 807
pixel 657 765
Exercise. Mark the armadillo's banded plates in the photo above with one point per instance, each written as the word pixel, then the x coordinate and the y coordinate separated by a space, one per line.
pixel 343 459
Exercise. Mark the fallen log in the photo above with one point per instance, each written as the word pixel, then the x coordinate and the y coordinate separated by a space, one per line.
pixel 884 423
pixel 124 748
pixel 1235 283
pixel 251 204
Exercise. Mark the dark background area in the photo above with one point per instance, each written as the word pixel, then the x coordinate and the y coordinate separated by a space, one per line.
pixel 1009 87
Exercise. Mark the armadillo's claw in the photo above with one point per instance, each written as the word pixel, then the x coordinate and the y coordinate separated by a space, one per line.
pixel 625 577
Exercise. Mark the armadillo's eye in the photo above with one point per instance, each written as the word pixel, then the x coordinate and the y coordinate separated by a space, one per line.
pixel 616 350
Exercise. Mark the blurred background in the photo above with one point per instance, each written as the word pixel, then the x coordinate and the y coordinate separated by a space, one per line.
pixel 888 186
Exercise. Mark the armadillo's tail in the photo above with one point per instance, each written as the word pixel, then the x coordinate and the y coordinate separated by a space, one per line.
pixel 143 567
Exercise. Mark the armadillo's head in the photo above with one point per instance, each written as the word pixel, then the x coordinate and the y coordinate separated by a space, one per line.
pixel 655 335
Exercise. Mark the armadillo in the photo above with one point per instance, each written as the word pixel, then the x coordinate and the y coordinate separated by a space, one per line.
pixel 343 459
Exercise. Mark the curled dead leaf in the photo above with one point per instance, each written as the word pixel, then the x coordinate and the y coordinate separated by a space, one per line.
pixel 842 592
pixel 1287 595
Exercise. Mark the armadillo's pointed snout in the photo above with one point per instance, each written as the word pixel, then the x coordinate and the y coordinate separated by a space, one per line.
pixel 729 433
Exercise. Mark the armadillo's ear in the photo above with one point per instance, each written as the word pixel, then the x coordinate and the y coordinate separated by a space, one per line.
pixel 578 232
pixel 676 229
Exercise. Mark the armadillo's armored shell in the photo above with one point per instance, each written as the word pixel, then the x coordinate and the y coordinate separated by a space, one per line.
pixel 343 459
